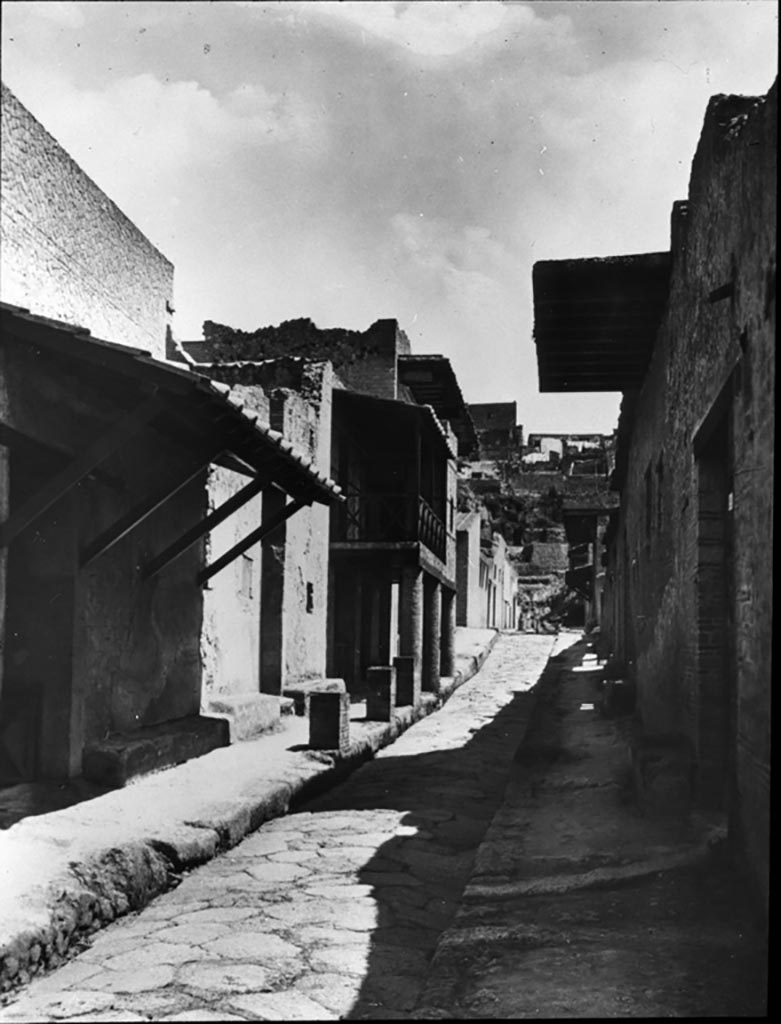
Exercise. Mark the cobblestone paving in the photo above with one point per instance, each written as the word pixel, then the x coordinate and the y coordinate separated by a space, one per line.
pixel 330 912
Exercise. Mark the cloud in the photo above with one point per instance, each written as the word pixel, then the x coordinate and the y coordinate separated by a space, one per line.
pixel 465 265
pixel 61 12
pixel 145 140
pixel 425 27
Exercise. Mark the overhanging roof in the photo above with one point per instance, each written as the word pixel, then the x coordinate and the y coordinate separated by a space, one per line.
pixel 432 382
pixel 386 411
pixel 193 409
pixel 595 320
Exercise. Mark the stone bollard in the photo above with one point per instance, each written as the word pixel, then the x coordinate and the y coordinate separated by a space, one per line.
pixel 329 721
pixel 381 695
pixel 407 684
pixel 301 690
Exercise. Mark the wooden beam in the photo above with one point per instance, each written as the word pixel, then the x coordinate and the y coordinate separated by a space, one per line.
pixel 189 538
pixel 262 531
pixel 57 456
pixel 127 523
pixel 75 471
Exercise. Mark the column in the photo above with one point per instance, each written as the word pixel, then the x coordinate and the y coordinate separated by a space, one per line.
pixel 411 618
pixel 432 629
pixel 386 635
pixel 448 645
pixel 272 588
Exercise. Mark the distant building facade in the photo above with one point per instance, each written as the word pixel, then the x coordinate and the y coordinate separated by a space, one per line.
pixel 500 436
pixel 487 581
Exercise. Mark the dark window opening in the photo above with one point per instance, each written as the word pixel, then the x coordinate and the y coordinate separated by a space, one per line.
pixel 310 597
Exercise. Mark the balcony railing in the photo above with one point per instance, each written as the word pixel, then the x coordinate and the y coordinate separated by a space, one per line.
pixel 390 517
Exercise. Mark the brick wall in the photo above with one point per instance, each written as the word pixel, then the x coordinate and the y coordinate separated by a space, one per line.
pixel 68 252
pixel 691 577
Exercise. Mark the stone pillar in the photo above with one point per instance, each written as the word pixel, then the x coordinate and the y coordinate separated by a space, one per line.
pixel 448 647
pixel 432 629
pixel 411 619
pixel 385 637
pixel 329 721
pixel 272 588
pixel 381 693
pixel 407 683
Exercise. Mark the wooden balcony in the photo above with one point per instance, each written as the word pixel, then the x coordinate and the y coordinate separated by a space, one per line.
pixel 388 518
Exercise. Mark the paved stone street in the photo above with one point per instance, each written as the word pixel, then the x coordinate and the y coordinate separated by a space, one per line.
pixel 331 911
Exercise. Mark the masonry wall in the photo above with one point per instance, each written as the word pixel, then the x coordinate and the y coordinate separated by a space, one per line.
pixel 714 362
pixel 67 251
pixel 295 398
pixel 230 639
pixel 307 424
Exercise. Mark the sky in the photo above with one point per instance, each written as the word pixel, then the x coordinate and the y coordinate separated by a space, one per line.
pixel 357 160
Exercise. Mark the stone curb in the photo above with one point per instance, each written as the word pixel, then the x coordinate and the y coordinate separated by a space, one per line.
pixel 85 889
pixel 549 884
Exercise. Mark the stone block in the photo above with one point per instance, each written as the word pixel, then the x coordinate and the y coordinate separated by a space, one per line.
pixel 617 697
pixel 407 683
pixel 381 693
pixel 301 691
pixel 664 771
pixel 125 756
pixel 329 720
pixel 248 714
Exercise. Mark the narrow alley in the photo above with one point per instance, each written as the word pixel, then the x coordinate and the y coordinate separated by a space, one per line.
pixel 354 906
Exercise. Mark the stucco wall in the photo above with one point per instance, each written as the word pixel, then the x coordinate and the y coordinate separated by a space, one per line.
pixel 470 603
pixel 230 638
pixel 68 252
pixel 294 396
pixel 716 346
pixel 307 424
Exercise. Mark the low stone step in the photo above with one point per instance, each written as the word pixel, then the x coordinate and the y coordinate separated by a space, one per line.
pixel 123 757
pixel 249 714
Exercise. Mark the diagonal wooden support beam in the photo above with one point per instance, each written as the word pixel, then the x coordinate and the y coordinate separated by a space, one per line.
pixel 127 523
pixel 62 482
pixel 214 518
pixel 262 531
